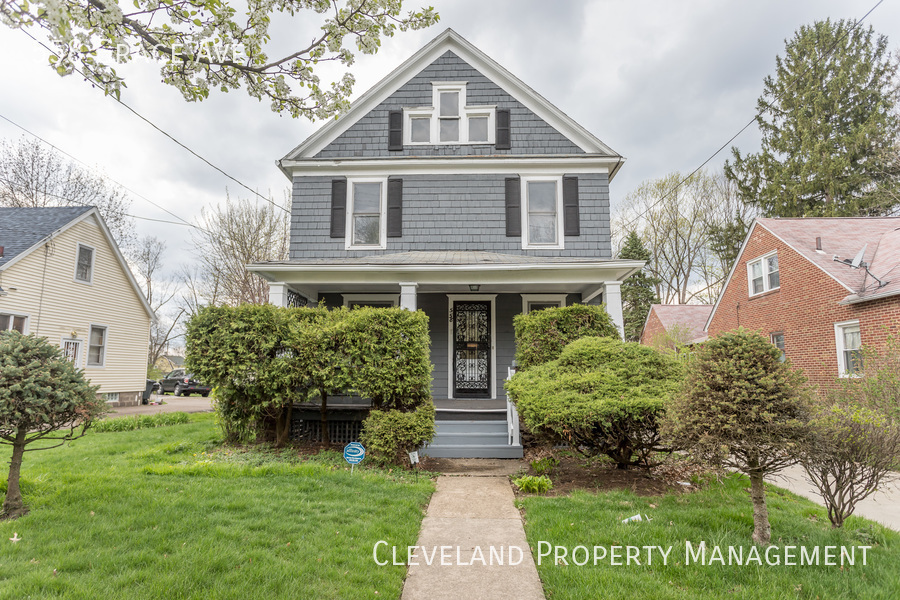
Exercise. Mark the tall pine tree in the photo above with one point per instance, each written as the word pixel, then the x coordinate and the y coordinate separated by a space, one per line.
pixel 827 125
pixel 638 291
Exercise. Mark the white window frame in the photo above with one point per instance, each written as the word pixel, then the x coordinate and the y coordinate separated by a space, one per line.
pixel 79 350
pixel 783 350
pixel 382 225
pixel 394 299
pixel 12 316
pixel 433 114
pixel 529 299
pixel 765 274
pixel 111 396
pixel 560 231
pixel 839 344
pixel 93 250
pixel 87 358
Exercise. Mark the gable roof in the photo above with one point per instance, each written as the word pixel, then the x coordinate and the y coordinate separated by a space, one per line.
pixel 691 316
pixel 842 239
pixel 451 41
pixel 23 230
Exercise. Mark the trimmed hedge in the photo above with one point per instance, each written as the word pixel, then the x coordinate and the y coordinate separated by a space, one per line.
pixel 541 335
pixel 391 434
pixel 262 358
pixel 601 396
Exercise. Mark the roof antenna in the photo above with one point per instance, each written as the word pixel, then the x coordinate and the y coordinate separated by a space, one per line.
pixel 857 262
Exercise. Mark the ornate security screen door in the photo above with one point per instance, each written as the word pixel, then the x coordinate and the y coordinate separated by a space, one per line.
pixel 472 349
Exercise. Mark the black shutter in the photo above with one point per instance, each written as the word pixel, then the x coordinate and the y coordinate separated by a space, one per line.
pixel 503 137
pixel 338 207
pixel 571 222
pixel 513 207
pixel 395 208
pixel 395 130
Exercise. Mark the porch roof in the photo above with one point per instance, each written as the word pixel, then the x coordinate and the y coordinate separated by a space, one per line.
pixel 447 271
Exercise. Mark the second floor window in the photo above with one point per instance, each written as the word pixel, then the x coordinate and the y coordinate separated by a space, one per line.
pixel 366 214
pixel 763 274
pixel 84 267
pixel 542 208
pixel 97 346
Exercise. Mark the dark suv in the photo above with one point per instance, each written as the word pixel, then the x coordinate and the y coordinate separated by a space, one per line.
pixel 182 384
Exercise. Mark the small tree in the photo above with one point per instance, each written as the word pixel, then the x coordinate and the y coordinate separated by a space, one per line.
pixel 602 396
pixel 541 335
pixel 850 450
pixel 43 399
pixel 638 291
pixel 741 407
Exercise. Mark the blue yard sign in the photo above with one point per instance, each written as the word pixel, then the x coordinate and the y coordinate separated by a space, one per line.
pixel 354 453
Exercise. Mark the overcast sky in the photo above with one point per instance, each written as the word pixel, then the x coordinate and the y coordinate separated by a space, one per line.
pixel 663 83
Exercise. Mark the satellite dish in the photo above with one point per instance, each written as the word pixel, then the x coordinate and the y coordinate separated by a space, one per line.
pixel 857 260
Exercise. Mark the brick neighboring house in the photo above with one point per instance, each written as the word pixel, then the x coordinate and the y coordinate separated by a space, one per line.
pixel 791 282
pixel 684 323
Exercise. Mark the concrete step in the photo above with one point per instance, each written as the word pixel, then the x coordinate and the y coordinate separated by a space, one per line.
pixel 472 451
pixel 477 439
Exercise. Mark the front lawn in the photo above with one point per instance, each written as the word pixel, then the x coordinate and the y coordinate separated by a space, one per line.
pixel 165 513
pixel 721 516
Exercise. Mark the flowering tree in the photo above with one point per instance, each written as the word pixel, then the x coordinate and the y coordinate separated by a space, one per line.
pixel 212 44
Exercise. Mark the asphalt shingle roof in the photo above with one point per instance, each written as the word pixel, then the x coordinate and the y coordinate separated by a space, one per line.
pixel 691 316
pixel 22 228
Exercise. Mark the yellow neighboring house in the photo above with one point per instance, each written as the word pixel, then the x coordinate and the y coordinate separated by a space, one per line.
pixel 63 277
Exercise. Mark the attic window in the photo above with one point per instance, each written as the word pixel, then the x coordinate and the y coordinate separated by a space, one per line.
pixel 762 274
pixel 449 120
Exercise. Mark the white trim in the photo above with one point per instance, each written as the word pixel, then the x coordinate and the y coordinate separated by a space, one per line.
pixel 543 298
pixel 394 299
pixel 839 345
pixel 560 231
pixel 453 165
pixel 762 260
pixel 492 299
pixel 12 315
pixel 87 357
pixel 450 40
pixel 79 351
pixel 78 247
pixel 382 219
pixel 464 113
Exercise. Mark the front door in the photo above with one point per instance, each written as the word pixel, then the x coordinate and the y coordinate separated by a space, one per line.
pixel 472 349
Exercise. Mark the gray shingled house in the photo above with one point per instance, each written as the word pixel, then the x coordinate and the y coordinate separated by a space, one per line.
pixel 453 188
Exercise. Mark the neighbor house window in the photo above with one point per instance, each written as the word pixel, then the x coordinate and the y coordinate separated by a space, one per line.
pixel 366 213
pixel 532 302
pixel 542 210
pixel 10 322
pixel 849 348
pixel 97 347
pixel 449 120
pixel 111 396
pixel 763 275
pixel 84 264
pixel 778 342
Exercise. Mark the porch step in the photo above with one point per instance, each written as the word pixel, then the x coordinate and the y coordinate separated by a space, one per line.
pixel 472 438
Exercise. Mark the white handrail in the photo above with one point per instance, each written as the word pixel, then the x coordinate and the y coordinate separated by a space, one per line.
pixel 512 416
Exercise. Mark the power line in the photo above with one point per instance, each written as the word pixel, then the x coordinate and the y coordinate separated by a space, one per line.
pixel 751 122
pixel 165 133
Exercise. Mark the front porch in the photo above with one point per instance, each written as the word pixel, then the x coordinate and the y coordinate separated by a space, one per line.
pixel 471 300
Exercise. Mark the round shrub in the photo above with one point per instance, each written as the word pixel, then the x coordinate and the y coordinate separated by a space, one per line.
pixel 601 395
pixel 391 434
pixel 541 335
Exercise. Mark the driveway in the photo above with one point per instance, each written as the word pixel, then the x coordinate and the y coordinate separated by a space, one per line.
pixel 189 404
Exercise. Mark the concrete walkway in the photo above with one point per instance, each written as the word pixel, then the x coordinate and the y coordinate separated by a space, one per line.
pixel 471 518
pixel 883 506
pixel 188 404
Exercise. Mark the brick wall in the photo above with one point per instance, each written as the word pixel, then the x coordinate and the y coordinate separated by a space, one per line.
pixel 805 308
pixel 652 329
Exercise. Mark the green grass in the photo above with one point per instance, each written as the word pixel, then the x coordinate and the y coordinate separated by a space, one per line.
pixel 721 515
pixel 140 422
pixel 165 513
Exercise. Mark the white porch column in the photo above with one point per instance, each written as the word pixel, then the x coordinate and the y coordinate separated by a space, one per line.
pixel 408 295
pixel 612 297
pixel 278 294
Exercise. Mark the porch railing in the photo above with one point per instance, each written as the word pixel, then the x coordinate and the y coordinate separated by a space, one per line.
pixel 512 416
